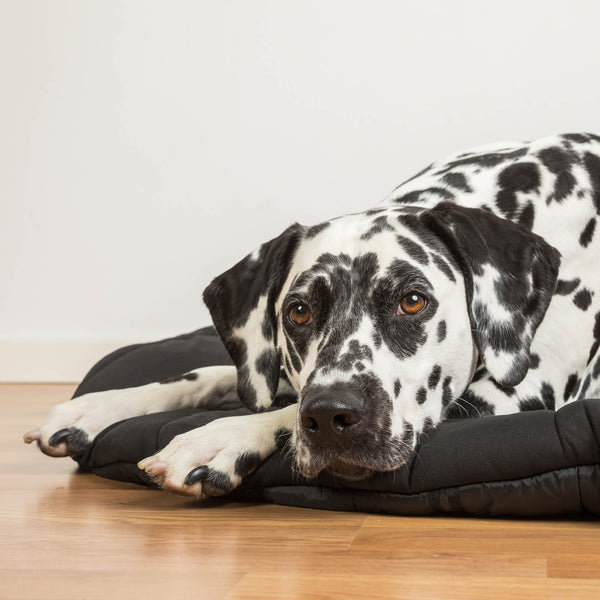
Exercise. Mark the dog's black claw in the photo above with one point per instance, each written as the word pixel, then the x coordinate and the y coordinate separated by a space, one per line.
pixel 59 437
pixel 197 474
pixel 77 441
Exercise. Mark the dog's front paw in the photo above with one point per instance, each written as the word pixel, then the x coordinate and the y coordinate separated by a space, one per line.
pixel 70 427
pixel 208 461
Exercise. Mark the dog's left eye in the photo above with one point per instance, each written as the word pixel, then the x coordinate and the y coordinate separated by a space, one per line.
pixel 411 304
pixel 300 314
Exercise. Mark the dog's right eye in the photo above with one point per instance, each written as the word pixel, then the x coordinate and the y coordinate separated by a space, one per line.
pixel 411 304
pixel 300 314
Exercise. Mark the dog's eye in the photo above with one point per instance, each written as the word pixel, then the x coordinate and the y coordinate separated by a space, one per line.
pixel 300 314
pixel 411 304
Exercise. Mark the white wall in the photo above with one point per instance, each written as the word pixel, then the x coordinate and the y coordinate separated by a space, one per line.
pixel 146 145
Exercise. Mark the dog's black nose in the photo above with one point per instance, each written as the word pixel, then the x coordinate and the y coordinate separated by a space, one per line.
pixel 331 416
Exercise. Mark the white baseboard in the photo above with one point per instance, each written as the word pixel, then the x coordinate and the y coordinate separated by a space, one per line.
pixel 47 360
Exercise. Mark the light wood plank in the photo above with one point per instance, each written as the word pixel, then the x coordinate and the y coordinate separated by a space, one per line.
pixel 267 585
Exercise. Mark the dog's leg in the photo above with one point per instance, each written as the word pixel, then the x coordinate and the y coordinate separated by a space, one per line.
pixel 71 426
pixel 212 460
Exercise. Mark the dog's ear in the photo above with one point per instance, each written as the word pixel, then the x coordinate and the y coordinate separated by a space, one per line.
pixel 510 275
pixel 242 305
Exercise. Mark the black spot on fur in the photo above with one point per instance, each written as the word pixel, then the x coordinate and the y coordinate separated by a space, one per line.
pixel 397 388
pixel 509 390
pixel 570 387
pixel 374 211
pixel 580 138
pixel 427 425
pixel 332 261
pixel 443 266
pixel 535 361
pixel 527 216
pixel 564 287
pixel 434 377
pixel 441 331
pixel 596 370
pixel 492 159
pixel 408 434
pixel 480 371
pixel 288 364
pixel 592 164
pixel 520 177
pixel 531 404
pixel 316 229
pixel 596 344
pixel 379 224
pixel 218 483
pixel 264 365
pixel 282 437
pixel 469 405
pixel 421 395
pixel 246 463
pixel 585 387
pixel 417 195
pixel 285 399
pixel 588 233
pixel 294 356
pixel 414 223
pixel 559 162
pixel 267 328
pixel 377 340
pixel 355 352
pixel 446 391
pixel 184 377
pixel 413 249
pixel 499 337
pixel 548 396
pixel 583 299
pixel 458 181
pixel 238 352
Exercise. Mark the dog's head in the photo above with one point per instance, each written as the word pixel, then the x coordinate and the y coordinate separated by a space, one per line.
pixel 378 320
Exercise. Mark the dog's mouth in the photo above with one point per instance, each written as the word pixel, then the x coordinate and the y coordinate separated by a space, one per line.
pixel 310 464
pixel 348 471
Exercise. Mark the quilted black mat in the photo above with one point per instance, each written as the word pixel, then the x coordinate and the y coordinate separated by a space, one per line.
pixel 537 463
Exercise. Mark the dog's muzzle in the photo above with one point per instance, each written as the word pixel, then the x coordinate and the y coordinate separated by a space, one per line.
pixel 332 426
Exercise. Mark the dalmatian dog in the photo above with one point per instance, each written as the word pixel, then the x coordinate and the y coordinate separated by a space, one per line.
pixel 472 290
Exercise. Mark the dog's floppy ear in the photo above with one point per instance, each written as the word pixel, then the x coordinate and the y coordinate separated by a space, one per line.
pixel 510 275
pixel 242 305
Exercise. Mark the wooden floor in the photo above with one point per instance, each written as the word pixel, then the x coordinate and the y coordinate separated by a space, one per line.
pixel 70 535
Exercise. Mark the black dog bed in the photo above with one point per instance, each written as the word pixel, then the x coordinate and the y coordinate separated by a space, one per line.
pixel 535 463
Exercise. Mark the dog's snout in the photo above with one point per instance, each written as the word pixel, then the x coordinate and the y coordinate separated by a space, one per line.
pixel 332 416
